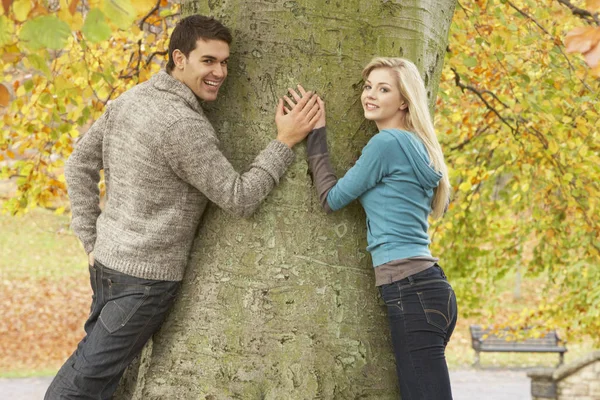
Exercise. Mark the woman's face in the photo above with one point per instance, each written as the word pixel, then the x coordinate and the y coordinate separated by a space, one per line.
pixel 381 99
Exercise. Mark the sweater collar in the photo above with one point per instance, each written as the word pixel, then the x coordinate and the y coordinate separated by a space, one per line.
pixel 165 82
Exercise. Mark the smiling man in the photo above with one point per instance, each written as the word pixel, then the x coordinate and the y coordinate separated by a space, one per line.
pixel 162 165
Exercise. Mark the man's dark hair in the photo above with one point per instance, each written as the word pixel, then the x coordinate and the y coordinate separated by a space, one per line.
pixel 190 29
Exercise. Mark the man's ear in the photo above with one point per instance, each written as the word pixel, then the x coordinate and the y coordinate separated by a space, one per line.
pixel 178 59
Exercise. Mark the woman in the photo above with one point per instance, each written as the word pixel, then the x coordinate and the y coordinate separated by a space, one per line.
pixel 400 179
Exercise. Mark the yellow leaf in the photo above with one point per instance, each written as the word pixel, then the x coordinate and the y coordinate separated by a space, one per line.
pixel 59 211
pixel 465 186
pixel 142 7
pixel 21 8
pixel 75 20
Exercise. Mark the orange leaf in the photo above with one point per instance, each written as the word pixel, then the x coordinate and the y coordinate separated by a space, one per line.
pixel 585 40
pixel 6 4
pixel 38 10
pixel 73 6
pixel 4 95
pixel 580 39
pixel 593 4
pixel 592 57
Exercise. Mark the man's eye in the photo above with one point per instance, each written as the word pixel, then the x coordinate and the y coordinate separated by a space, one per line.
pixel 207 61
pixel 224 63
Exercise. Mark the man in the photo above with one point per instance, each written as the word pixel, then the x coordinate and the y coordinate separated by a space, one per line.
pixel 162 165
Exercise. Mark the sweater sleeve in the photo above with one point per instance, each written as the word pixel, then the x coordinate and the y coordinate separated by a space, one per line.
pixel 82 173
pixel 319 165
pixel 192 150
pixel 364 175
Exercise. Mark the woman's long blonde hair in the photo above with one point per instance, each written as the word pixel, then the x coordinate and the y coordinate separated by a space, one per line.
pixel 418 120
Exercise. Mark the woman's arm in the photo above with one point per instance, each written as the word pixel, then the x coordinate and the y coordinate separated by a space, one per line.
pixel 364 175
pixel 320 167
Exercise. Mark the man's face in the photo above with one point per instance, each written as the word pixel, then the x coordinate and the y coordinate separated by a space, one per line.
pixel 205 69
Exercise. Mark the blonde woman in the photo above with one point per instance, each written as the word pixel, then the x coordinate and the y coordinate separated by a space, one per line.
pixel 400 179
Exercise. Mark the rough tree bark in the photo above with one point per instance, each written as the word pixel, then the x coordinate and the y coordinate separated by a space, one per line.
pixel 283 305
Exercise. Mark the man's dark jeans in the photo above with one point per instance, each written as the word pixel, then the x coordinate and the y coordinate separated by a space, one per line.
pixel 422 313
pixel 125 313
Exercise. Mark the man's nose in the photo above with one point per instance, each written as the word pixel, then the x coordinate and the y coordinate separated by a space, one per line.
pixel 219 71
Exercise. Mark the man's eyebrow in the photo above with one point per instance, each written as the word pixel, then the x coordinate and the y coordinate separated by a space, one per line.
pixel 208 57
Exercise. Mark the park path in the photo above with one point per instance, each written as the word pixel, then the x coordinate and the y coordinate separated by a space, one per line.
pixel 466 385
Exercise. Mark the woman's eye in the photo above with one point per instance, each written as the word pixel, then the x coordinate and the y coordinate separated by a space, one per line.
pixel 384 90
pixel 366 87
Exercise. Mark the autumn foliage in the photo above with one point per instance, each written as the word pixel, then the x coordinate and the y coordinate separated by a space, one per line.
pixel 60 68
pixel 42 321
pixel 519 117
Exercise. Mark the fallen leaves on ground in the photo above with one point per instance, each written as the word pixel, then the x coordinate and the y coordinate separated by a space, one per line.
pixel 42 320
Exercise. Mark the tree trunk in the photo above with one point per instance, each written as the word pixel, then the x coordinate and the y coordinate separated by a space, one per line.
pixel 283 305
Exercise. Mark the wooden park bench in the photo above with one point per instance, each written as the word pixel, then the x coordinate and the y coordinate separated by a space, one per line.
pixel 505 340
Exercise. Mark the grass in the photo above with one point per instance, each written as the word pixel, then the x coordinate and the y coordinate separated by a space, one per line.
pixel 43 269
pixel 27 373
pixel 39 245
pixel 460 355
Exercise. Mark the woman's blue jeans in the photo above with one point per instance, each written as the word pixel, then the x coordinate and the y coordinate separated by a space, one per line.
pixel 422 313
pixel 125 313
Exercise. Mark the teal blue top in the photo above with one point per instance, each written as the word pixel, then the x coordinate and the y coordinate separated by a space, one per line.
pixel 394 182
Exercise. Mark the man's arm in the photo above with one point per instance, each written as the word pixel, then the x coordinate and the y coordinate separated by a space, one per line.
pixel 192 150
pixel 193 153
pixel 82 173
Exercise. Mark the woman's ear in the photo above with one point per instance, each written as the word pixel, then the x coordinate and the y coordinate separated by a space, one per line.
pixel 403 106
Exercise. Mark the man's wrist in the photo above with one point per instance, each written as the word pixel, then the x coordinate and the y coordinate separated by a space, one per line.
pixel 288 142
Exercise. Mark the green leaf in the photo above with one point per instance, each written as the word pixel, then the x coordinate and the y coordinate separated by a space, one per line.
pixel 4 30
pixel 470 62
pixel 39 63
pixel 47 31
pixel 120 12
pixel 46 99
pixel 95 28
pixel 28 85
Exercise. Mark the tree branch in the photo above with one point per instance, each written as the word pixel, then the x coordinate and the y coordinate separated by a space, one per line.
pixel 154 9
pixel 479 94
pixel 557 42
pixel 156 53
pixel 581 13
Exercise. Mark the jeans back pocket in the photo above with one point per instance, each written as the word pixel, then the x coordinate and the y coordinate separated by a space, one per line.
pixel 439 305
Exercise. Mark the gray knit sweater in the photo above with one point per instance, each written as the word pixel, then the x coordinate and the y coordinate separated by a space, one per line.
pixel 161 164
